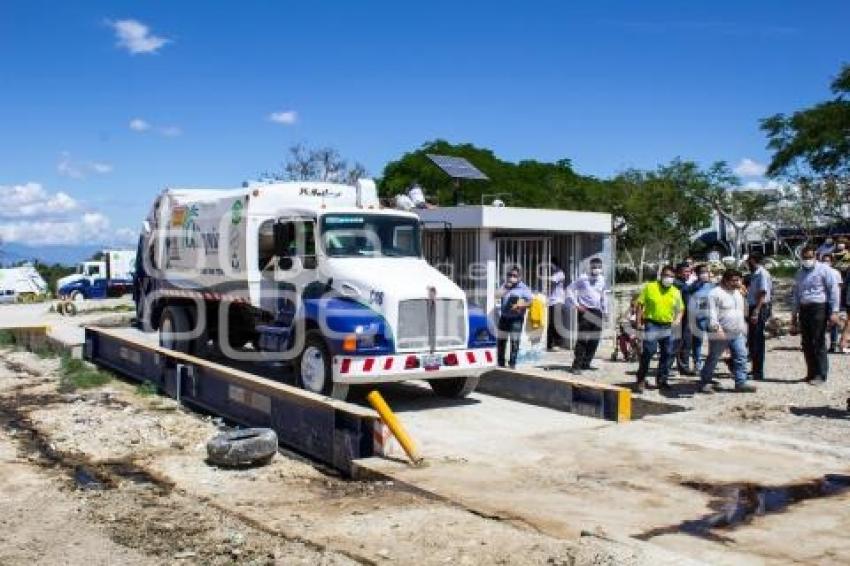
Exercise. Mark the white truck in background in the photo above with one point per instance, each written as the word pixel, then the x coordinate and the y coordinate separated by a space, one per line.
pixel 315 274
pixel 111 276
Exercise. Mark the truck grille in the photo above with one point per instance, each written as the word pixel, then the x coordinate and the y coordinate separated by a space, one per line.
pixel 413 324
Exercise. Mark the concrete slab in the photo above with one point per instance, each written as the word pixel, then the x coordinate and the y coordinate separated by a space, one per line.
pixel 625 479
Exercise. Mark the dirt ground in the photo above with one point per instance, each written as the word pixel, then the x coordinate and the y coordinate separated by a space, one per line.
pixel 113 474
pixel 108 475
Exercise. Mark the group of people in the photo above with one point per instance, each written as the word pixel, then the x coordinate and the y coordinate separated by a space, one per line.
pixel 587 295
pixel 684 308
pixel 681 311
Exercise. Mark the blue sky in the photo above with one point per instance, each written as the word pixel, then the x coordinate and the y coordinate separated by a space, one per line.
pixel 607 84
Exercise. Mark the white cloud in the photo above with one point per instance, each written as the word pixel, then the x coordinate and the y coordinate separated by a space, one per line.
pixel 34 216
pixel 67 167
pixel 101 168
pixel 31 200
pixel 762 185
pixel 287 117
pixel 170 131
pixel 136 37
pixel 139 125
pixel 749 168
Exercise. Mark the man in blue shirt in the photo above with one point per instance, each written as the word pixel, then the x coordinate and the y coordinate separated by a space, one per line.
pixel 680 344
pixel 815 306
pixel 759 297
pixel 514 298
pixel 698 312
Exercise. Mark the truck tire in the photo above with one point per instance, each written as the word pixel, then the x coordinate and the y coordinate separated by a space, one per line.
pixel 77 297
pixel 454 387
pixel 174 321
pixel 313 368
pixel 247 447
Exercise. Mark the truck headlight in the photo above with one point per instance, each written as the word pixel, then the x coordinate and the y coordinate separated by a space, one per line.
pixel 366 336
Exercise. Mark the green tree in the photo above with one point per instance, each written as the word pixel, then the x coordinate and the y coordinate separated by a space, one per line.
pixel 659 211
pixel 527 183
pixel 811 151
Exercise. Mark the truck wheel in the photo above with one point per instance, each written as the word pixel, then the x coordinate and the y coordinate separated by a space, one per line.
pixel 454 387
pixel 174 322
pixel 77 297
pixel 242 447
pixel 313 368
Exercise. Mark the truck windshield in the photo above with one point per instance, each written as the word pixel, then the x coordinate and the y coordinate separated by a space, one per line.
pixel 370 235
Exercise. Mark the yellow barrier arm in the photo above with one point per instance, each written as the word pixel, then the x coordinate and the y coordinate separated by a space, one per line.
pixel 394 425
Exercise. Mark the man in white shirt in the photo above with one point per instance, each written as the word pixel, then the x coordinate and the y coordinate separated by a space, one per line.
pixel 727 328
pixel 557 296
pixel 587 295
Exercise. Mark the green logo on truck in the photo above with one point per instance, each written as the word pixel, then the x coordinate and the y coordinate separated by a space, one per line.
pixel 236 212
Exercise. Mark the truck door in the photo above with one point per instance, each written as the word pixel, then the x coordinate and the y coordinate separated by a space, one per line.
pixel 292 267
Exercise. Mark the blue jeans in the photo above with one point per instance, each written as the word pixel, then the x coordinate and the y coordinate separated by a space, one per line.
pixel 655 336
pixel 738 346
pixel 697 339
pixel 680 346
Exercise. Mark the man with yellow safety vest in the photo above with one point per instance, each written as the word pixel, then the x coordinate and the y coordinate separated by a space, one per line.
pixel 660 308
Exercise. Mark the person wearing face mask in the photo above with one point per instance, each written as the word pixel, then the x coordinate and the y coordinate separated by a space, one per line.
pixel 660 307
pixel 692 278
pixel 759 297
pixel 557 298
pixel 815 306
pixel 827 260
pixel 727 329
pixel 515 297
pixel 681 338
pixel 587 295
pixel 698 313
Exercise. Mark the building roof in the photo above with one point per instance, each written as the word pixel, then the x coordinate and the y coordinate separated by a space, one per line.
pixel 513 218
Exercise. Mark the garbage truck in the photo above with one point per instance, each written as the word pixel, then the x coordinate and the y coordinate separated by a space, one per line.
pixel 111 276
pixel 316 277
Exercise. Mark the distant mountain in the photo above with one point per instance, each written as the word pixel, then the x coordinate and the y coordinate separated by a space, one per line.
pixel 11 252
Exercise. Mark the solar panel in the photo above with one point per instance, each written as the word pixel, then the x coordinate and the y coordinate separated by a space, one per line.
pixel 457 167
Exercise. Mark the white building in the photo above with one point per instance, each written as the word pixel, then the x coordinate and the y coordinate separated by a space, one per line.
pixel 476 245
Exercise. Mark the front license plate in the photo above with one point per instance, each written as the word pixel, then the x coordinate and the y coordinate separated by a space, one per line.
pixel 432 361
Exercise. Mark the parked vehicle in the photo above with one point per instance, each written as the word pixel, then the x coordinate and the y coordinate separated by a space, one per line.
pixel 110 277
pixel 318 273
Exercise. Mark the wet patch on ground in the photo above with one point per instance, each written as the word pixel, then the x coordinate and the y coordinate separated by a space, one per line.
pixel 737 504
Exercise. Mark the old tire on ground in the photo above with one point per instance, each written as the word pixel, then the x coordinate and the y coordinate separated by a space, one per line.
pixel 70 309
pixel 456 387
pixel 313 368
pixel 174 322
pixel 245 447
